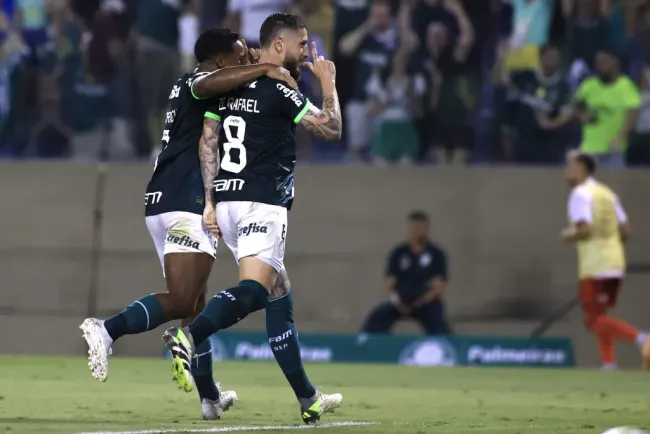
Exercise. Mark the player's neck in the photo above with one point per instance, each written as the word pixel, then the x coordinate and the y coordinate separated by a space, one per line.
pixel 205 67
pixel 266 57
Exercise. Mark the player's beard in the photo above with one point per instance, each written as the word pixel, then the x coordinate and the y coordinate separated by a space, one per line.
pixel 293 66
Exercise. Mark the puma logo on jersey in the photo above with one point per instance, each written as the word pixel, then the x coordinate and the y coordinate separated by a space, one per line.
pixel 252 228
pixel 290 93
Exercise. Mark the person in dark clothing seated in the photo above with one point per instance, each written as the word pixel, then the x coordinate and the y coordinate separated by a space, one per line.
pixel 416 276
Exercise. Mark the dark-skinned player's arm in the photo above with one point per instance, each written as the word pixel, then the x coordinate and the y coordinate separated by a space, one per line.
pixel 232 77
pixel 229 78
pixel 325 123
pixel 209 159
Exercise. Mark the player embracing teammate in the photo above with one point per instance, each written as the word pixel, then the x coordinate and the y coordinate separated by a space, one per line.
pixel 248 155
pixel 238 184
pixel 174 202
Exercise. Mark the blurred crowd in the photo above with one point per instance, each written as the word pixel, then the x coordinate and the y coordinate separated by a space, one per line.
pixel 440 81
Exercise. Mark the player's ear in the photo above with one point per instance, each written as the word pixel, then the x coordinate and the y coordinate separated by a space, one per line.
pixel 220 63
pixel 278 44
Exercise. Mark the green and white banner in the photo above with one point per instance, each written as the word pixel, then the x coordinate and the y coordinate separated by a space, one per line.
pixel 404 350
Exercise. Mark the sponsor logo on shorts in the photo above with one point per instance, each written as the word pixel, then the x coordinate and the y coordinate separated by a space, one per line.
pixel 252 228
pixel 184 241
pixel 429 352
pixel 290 93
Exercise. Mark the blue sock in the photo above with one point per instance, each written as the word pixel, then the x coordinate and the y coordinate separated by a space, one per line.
pixel 283 339
pixel 202 371
pixel 143 314
pixel 228 308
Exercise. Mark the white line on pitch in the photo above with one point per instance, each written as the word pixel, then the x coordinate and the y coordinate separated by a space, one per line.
pixel 235 428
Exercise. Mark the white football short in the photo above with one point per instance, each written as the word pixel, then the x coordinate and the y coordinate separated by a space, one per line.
pixel 180 232
pixel 254 229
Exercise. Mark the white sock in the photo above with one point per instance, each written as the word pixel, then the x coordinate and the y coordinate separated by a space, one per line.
pixel 609 367
pixel 641 338
pixel 106 336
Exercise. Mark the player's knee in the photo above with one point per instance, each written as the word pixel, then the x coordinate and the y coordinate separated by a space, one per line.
pixel 257 269
pixel 282 285
pixel 184 304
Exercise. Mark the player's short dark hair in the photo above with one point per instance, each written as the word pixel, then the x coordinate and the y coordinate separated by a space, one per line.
pixel 275 23
pixel 586 161
pixel 214 42
pixel 418 216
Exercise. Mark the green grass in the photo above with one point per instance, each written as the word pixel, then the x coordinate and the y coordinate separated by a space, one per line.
pixel 58 395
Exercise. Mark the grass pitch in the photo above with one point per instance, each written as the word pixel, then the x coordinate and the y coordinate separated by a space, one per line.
pixel 58 395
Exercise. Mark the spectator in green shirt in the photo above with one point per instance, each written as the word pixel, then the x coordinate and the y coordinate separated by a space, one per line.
pixel 607 105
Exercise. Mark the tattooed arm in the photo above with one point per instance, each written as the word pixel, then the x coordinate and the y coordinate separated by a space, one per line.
pixel 209 156
pixel 325 123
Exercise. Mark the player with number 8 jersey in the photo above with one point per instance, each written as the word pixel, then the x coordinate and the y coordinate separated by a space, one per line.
pixel 247 199
pixel 257 142
pixel 174 202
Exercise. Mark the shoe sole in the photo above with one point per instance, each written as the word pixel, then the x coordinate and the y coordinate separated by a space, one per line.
pixel 87 328
pixel 180 376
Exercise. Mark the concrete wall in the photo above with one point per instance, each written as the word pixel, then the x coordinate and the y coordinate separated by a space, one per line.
pixel 500 228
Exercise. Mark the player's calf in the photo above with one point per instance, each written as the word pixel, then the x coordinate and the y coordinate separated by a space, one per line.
pixel 202 368
pixel 283 339
pixel 227 308
pixel 186 275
